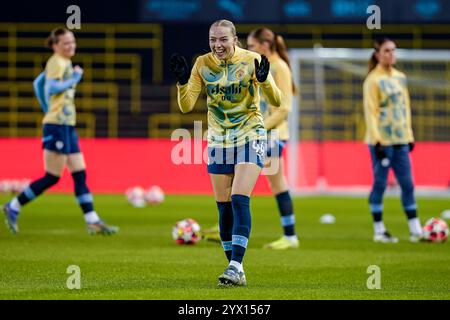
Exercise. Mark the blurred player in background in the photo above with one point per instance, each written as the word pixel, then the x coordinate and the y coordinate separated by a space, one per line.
pixel 265 42
pixel 390 137
pixel 55 89
pixel 236 134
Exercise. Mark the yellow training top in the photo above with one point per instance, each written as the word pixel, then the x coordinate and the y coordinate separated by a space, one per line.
pixel 387 107
pixel 234 116
pixel 276 117
pixel 61 107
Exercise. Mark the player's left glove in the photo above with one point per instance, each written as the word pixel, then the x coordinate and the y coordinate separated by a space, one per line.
pixel 411 146
pixel 262 69
pixel 179 67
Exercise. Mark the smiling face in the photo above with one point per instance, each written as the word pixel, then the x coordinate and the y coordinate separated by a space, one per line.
pixel 66 45
pixel 386 55
pixel 222 42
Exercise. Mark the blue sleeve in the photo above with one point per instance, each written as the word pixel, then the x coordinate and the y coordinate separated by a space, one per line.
pixel 53 86
pixel 38 86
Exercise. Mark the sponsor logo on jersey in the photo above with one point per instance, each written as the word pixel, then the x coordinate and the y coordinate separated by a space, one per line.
pixel 231 89
pixel 240 74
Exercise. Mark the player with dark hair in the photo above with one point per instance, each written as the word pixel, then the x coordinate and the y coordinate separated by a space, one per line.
pixel 390 137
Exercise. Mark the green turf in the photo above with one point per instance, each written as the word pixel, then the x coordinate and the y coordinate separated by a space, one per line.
pixel 142 262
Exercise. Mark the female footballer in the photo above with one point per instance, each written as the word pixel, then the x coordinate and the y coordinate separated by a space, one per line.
pixel 265 42
pixel 389 135
pixel 55 89
pixel 236 135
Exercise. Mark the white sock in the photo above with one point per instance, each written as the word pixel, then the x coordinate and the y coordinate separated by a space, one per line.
pixel 292 239
pixel 15 204
pixel 91 217
pixel 414 226
pixel 237 265
pixel 379 227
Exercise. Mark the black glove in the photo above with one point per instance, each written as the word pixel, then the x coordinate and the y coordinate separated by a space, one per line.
pixel 411 146
pixel 379 151
pixel 179 67
pixel 262 69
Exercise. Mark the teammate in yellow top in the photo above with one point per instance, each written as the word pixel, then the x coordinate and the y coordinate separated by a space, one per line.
pixel 61 109
pixel 264 41
pixel 55 90
pixel 389 135
pixel 236 135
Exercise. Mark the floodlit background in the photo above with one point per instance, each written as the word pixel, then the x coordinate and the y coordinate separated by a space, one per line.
pixel 127 91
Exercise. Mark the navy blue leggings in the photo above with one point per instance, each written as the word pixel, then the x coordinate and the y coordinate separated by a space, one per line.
pixel 399 162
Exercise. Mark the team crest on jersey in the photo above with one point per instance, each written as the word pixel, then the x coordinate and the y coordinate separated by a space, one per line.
pixel 240 74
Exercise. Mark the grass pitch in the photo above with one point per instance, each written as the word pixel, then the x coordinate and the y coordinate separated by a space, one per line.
pixel 143 262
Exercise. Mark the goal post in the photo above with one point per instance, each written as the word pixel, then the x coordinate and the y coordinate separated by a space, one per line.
pixel 326 153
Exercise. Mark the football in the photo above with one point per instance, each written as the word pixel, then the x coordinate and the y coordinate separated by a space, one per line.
pixel 14 186
pixel 445 215
pixel 435 230
pixel 5 186
pixel 154 195
pixel 136 196
pixel 19 185
pixel 186 231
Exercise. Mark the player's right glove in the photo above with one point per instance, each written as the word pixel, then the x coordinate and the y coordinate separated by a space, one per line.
pixel 411 146
pixel 179 67
pixel 262 69
pixel 379 151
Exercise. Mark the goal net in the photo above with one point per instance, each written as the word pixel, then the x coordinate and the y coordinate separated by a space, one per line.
pixel 326 153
